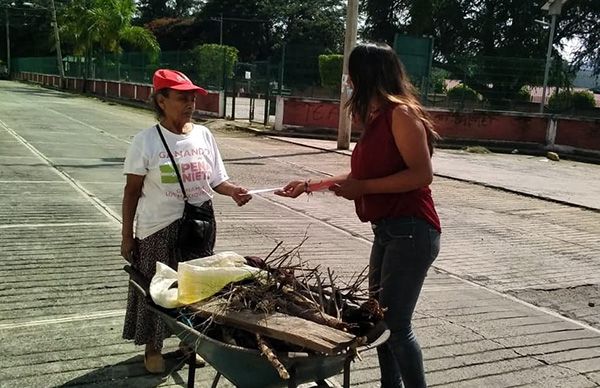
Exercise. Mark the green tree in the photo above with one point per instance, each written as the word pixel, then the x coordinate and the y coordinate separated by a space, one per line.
pixel 209 60
pixel 330 68
pixel 29 28
pixel 579 21
pixel 247 25
pixel 156 9
pixel 101 26
pixel 259 28
pixel 382 19
pixel 472 37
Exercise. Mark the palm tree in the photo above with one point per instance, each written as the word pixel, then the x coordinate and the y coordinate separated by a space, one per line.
pixel 103 25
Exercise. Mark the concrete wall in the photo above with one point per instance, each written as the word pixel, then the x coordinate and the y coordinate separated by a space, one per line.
pixel 490 126
pixel 310 113
pixel 211 104
pixel 578 134
pixel 549 132
pixel 561 133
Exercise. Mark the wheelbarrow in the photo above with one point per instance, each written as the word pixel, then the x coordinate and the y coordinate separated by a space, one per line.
pixel 248 368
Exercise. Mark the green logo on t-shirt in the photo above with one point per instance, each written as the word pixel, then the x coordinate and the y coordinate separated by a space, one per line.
pixel 167 174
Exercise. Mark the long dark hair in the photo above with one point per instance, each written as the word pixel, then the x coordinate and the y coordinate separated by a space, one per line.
pixel 378 75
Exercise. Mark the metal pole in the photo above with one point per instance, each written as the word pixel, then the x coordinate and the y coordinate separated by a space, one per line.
pixel 345 123
pixel 267 96
pixel 224 82
pixel 281 70
pixel 61 70
pixel 221 30
pixel 7 42
pixel 547 69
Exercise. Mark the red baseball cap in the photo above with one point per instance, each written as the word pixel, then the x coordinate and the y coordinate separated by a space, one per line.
pixel 172 79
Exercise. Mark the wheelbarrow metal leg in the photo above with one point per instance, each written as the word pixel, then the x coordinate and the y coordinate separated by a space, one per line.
pixel 191 370
pixel 347 372
pixel 216 380
pixel 292 380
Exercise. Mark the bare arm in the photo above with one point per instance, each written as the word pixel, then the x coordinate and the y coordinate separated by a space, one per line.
pixel 238 193
pixel 131 196
pixel 297 187
pixel 411 140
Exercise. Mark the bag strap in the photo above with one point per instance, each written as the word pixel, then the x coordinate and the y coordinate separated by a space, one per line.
pixel 185 198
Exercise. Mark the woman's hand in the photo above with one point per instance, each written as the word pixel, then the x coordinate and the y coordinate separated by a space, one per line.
pixel 127 248
pixel 240 195
pixel 350 189
pixel 292 189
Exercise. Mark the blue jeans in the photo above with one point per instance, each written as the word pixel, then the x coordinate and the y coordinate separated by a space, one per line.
pixel 403 250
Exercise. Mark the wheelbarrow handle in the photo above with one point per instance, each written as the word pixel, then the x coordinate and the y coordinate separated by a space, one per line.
pixel 137 279
pixel 378 342
pixel 376 336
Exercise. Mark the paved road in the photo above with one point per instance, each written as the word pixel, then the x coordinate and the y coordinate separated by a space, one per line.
pixel 62 288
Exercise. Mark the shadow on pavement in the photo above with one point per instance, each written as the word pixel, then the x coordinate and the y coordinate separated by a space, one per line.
pixel 131 373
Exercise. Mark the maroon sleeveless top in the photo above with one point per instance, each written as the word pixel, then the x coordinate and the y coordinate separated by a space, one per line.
pixel 376 156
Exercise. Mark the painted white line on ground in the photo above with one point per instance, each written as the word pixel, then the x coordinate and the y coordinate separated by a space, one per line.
pixel 11 226
pixel 101 206
pixel 72 318
pixel 88 125
pixel 453 276
pixel 86 159
pixel 45 182
pixel 60 181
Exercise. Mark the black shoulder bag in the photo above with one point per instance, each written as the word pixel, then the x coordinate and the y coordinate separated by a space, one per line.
pixel 197 230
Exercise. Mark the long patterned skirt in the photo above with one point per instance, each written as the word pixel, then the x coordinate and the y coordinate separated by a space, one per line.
pixel 141 325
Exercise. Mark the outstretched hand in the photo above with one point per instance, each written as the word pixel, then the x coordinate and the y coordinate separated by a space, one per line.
pixel 292 189
pixel 240 196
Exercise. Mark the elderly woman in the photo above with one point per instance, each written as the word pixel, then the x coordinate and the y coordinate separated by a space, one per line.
pixel 167 164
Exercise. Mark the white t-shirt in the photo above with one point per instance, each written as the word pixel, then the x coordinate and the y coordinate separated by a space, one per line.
pixel 200 166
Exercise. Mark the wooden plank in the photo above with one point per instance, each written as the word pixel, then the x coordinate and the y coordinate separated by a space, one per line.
pixel 291 329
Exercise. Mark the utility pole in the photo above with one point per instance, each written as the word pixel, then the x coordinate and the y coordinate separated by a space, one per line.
pixel 220 20
pixel 221 30
pixel 61 70
pixel 547 68
pixel 7 42
pixel 553 7
pixel 345 122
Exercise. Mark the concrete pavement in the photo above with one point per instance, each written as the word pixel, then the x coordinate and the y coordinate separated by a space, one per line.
pixel 63 291
pixel 566 181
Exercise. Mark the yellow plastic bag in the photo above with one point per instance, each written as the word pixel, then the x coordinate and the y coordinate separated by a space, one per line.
pixel 202 278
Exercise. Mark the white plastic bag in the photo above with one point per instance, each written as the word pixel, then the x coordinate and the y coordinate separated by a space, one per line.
pixel 160 284
pixel 202 278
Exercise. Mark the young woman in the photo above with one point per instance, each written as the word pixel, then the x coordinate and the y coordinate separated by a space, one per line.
pixel 389 183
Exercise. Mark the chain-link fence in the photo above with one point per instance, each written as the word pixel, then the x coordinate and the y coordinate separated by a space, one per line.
pixel 508 84
pixel 132 67
pixel 460 83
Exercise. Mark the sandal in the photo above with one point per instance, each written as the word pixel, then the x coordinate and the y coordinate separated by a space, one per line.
pixel 187 351
pixel 154 363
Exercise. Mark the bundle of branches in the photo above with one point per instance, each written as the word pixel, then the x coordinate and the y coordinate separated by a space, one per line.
pixel 289 287
pixel 295 288
pixel 292 287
